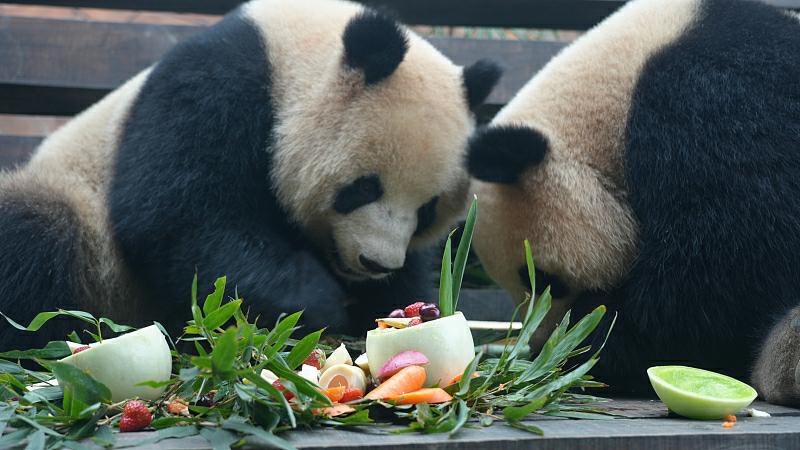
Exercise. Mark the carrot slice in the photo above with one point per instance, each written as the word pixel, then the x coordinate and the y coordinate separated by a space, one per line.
pixel 337 409
pixel 335 393
pixel 457 378
pixel 408 379
pixel 428 395
pixel 351 395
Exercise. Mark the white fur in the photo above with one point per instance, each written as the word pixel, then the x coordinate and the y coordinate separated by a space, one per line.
pixel 572 206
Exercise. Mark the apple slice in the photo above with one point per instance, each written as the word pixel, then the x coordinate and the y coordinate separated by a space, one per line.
pixel 123 362
pixel 338 356
pixel 446 342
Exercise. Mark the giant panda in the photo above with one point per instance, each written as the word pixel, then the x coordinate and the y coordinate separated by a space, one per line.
pixel 654 165
pixel 309 150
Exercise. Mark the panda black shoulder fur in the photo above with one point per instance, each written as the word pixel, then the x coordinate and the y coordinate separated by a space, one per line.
pixel 654 166
pixel 301 148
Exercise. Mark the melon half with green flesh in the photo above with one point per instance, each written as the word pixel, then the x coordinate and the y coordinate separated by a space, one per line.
pixel 123 362
pixel 700 394
pixel 446 342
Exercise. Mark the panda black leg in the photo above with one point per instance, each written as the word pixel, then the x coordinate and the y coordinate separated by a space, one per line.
pixel 776 374
pixel 40 248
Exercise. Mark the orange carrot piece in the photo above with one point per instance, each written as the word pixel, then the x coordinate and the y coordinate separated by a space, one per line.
pixel 408 379
pixel 335 393
pixel 351 395
pixel 428 395
pixel 337 409
pixel 457 378
pixel 382 325
pixel 728 424
pixel 730 418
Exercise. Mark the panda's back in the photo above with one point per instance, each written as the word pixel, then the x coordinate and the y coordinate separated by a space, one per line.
pixel 712 162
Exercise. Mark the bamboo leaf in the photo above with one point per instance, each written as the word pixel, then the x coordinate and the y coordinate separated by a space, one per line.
pixel 53 350
pixel 223 357
pixel 214 299
pixel 115 327
pixel 219 316
pixel 162 434
pixel 303 349
pixel 462 253
pixel 446 282
pixel 82 386
pixel 258 433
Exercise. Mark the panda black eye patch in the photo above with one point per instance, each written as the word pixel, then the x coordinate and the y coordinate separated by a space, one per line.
pixel 362 191
pixel 426 215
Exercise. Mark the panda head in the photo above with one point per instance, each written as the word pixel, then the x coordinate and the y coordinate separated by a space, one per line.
pixel 369 160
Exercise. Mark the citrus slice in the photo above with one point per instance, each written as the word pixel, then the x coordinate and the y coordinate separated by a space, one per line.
pixel 699 394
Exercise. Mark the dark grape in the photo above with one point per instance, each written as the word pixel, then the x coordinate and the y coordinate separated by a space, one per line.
pixel 428 312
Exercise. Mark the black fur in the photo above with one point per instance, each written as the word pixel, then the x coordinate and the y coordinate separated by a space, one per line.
pixel 501 154
pixel 191 190
pixel 40 244
pixel 713 167
pixel 374 43
pixel 479 80
pixel 426 216
pixel 362 191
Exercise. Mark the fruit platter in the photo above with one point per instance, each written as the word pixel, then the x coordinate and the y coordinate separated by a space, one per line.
pixel 230 380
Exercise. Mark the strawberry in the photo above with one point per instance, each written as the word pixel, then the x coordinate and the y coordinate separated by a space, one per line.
pixel 415 321
pixel 80 349
pixel 412 310
pixel 135 416
pixel 315 359
pixel 351 395
pixel 279 386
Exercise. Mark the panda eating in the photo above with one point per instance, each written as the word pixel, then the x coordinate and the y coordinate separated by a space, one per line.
pixel 305 149
pixel 654 165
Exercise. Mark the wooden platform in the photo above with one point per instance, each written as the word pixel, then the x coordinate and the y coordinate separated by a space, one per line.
pixel 646 426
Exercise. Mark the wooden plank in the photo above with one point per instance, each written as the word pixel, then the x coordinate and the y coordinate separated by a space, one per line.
pixel 60 67
pixel 564 14
pixel 15 150
pixel 648 427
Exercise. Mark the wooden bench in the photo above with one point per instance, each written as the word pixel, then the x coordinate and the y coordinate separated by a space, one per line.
pixel 59 60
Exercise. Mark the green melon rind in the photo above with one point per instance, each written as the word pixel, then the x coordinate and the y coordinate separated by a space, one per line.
pixel 696 405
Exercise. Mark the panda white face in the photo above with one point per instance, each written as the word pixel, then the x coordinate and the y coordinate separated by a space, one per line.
pixel 372 124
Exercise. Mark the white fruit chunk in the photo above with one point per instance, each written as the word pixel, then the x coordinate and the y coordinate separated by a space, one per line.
pixel 447 342
pixel 350 377
pixel 268 376
pixel 339 356
pixel 363 362
pixel 310 373
pixel 125 361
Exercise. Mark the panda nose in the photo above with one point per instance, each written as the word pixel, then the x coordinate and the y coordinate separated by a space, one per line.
pixel 374 266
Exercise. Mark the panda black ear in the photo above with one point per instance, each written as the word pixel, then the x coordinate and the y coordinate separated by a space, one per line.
pixel 374 43
pixel 479 80
pixel 501 154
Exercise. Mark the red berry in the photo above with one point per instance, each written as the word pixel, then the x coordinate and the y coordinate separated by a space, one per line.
pixel 80 349
pixel 412 310
pixel 315 358
pixel 135 416
pixel 351 395
pixel 413 322
pixel 279 386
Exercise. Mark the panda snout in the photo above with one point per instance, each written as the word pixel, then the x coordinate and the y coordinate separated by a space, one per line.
pixel 374 266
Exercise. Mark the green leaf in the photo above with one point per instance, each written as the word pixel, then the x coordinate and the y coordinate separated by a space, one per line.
pixel 276 339
pixel 274 393
pixel 83 387
pixel 303 349
pixel 303 386
pixel 14 438
pixel 462 415
pixel 214 299
pixel 218 438
pixel 36 441
pixel 75 445
pixel 43 317
pixel 224 355
pixel 104 436
pixel 257 433
pixel 219 316
pixel 53 350
pixel 6 411
pixel 463 252
pixel 446 282
pixel 527 427
pixel 517 413
pixel 466 376
pixel 531 267
pixel 160 435
pixel 171 421
pixel 115 327
pixel 73 337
